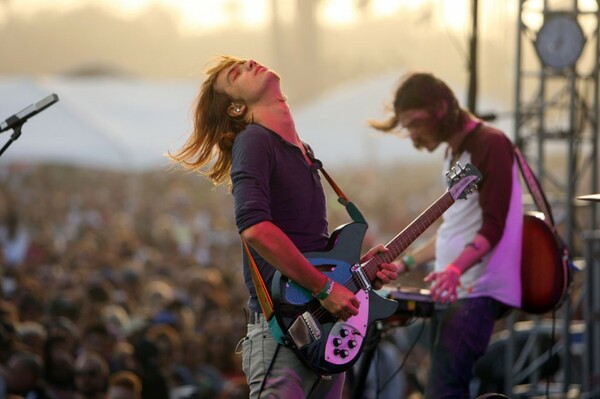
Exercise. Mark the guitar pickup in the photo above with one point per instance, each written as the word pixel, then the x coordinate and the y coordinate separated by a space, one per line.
pixel 304 330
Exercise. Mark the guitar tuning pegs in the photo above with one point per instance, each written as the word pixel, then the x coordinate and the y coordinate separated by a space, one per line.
pixel 453 172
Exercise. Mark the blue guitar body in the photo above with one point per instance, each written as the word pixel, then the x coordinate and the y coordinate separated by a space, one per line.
pixel 325 344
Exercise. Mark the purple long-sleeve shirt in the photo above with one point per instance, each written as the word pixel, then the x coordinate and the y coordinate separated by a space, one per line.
pixel 273 182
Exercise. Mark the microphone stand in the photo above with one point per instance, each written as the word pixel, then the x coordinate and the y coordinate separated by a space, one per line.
pixel 13 137
pixel 16 121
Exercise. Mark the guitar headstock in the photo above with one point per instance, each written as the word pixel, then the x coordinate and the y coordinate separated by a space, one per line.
pixel 462 181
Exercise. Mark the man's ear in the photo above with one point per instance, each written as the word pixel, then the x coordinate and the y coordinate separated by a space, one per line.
pixel 441 110
pixel 236 110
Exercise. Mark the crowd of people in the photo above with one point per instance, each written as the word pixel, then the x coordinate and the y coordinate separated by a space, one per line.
pixel 105 272
pixel 109 277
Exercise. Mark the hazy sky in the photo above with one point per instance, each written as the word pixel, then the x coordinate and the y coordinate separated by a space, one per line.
pixel 347 39
pixel 202 15
pixel 174 38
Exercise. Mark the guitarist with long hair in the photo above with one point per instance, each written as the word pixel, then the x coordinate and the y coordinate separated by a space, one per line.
pixel 476 251
pixel 244 135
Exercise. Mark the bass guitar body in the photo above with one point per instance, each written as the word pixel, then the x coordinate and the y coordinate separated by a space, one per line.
pixel 544 272
pixel 325 344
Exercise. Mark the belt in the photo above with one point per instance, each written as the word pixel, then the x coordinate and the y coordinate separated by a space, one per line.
pixel 254 317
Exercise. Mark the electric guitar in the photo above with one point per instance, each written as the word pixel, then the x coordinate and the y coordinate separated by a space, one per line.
pixel 545 273
pixel 323 343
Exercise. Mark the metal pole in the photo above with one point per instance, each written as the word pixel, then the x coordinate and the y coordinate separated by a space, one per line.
pixel 472 99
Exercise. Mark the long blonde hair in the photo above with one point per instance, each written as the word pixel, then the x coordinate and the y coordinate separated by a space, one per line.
pixel 208 148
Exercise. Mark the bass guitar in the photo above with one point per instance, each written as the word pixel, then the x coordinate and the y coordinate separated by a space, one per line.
pixel 323 343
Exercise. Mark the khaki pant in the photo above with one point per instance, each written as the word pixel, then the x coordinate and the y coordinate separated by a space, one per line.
pixel 288 377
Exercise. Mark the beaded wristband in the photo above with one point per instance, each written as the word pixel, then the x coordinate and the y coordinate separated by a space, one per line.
pixel 454 269
pixel 326 290
pixel 409 261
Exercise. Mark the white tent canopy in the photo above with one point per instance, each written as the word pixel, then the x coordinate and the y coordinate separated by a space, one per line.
pixel 336 125
pixel 100 122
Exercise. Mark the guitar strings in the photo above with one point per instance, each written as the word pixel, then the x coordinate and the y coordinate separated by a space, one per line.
pixel 351 284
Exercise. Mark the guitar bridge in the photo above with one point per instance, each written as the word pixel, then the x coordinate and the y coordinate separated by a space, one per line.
pixel 304 330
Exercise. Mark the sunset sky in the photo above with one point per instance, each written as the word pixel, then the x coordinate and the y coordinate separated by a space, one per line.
pixel 197 16
pixel 207 15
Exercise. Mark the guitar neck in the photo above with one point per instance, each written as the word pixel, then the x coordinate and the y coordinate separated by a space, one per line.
pixel 406 237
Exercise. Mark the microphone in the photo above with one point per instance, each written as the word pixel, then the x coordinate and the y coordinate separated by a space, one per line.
pixel 22 116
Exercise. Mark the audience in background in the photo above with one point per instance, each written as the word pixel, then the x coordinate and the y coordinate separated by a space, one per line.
pixel 141 269
pixel 25 377
pixel 124 385
pixel 91 375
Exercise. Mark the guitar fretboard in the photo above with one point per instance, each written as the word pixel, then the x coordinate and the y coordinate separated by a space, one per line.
pixel 407 236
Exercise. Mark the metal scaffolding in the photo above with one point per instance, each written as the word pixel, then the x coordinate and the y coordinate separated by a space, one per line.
pixel 556 127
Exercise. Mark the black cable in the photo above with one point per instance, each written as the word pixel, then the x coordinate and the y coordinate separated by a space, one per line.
pixel 262 385
pixel 314 386
pixel 410 349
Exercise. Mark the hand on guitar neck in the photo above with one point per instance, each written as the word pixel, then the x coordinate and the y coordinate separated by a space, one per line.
pixel 387 271
pixel 342 303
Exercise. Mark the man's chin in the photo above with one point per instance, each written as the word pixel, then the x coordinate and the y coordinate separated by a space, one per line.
pixel 422 147
pixel 431 147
